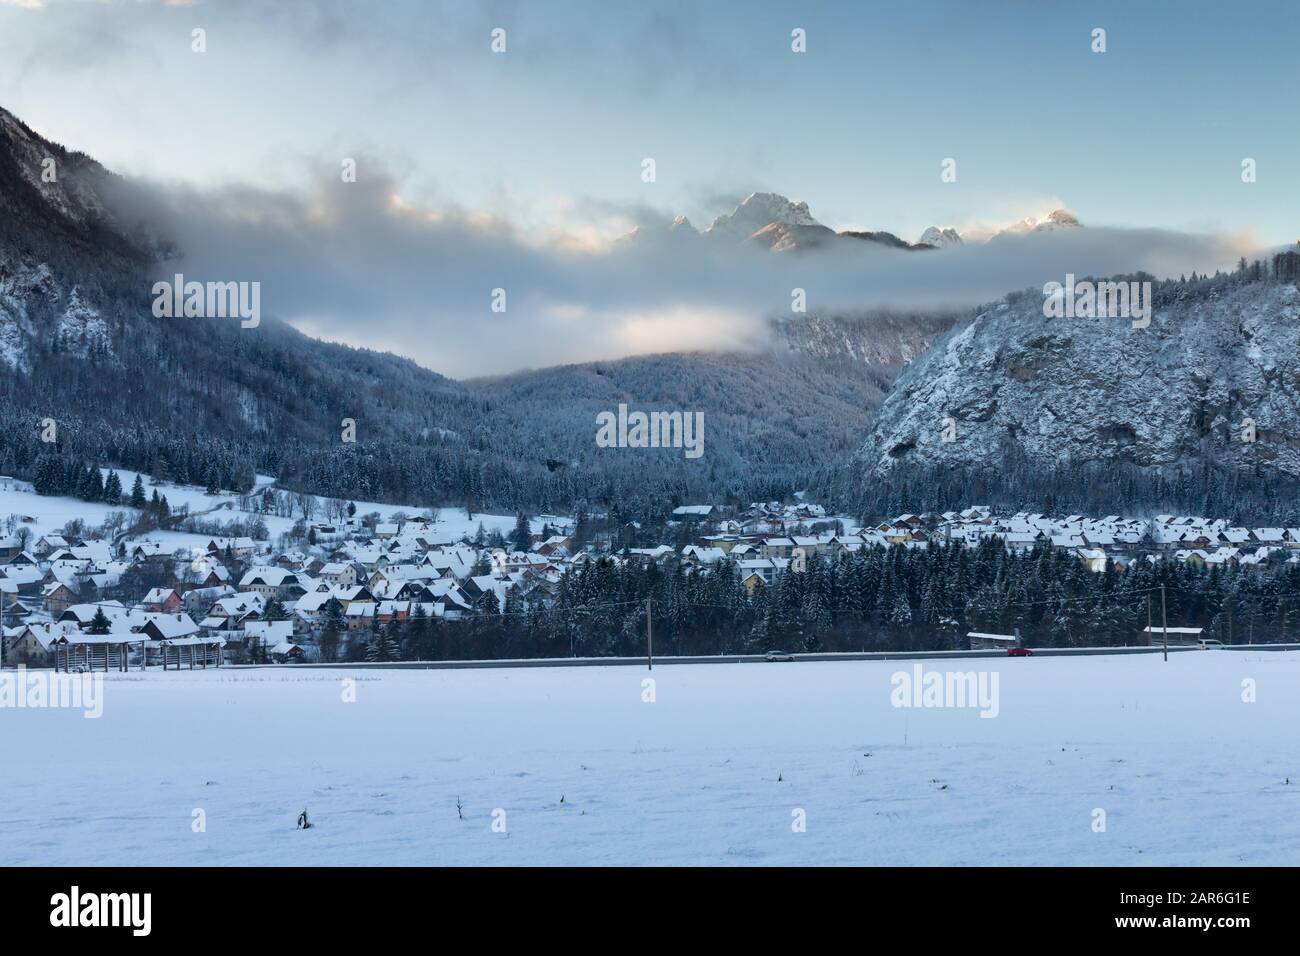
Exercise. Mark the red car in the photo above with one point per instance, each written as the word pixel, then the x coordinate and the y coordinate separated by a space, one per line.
pixel 1019 652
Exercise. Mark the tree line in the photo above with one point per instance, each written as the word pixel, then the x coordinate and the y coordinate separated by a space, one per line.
pixel 876 599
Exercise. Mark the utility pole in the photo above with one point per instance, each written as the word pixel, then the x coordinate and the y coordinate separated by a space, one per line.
pixel 649 639
pixel 1164 621
pixel 1148 617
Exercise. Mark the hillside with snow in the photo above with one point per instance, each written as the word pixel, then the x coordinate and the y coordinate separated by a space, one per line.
pixel 1217 354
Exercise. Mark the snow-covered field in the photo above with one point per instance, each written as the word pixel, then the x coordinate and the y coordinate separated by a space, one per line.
pixel 50 513
pixel 711 772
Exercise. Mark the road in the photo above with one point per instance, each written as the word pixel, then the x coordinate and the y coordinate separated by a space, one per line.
pixel 758 658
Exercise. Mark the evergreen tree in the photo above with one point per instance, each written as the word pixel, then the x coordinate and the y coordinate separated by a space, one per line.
pixel 383 647
pixel 113 489
pixel 521 539
pixel 332 628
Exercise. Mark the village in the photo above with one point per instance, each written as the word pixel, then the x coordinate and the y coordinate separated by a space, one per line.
pixel 80 602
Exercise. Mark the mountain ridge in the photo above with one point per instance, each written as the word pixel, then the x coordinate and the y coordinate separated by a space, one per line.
pixel 206 401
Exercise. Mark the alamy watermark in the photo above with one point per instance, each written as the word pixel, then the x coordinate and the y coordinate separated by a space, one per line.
pixel 1098 300
pixel 651 430
pixel 947 689
pixel 208 300
pixel 75 908
pixel 40 690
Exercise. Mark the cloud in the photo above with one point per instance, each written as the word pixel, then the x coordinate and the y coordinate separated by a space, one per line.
pixel 355 262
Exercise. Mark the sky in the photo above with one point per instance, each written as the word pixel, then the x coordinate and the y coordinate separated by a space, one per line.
pixel 537 153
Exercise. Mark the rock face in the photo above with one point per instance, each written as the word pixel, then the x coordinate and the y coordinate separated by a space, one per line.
pixel 881 341
pixel 1217 352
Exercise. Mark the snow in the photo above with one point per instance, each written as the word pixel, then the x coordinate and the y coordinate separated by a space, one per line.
pixel 51 513
pixel 758 210
pixel 709 773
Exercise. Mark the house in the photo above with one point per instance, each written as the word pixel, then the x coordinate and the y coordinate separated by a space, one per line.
pixel 58 597
pixel 197 601
pixel 211 575
pixel 355 595
pixel 268 634
pixel 162 600
pixel 340 574
pixel 148 549
pixel 272 582
pixel 240 547
pixel 33 645
pixel 777 547
pixel 556 544
pixel 765 568
pixel 230 613
pixel 83 614
pixel 359 615
pixel 48 544
pixel 650 555
pixel 692 512
pixel 287 653
pixel 169 627
pixel 10 548
pixel 697 556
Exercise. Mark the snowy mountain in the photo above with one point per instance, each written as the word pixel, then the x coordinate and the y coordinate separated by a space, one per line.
pixel 940 238
pixel 1058 220
pixel 194 400
pixel 757 211
pixel 774 223
pixel 1217 353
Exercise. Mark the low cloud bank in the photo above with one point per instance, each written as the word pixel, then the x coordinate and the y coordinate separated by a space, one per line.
pixel 352 262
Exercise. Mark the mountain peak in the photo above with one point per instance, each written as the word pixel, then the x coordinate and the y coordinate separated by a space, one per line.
pixel 1056 220
pixel 940 237
pixel 758 210
pixel 1059 219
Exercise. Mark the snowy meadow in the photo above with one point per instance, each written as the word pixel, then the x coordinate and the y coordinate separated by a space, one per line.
pixel 1106 760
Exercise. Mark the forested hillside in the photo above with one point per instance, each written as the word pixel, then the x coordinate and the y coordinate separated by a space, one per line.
pixel 205 401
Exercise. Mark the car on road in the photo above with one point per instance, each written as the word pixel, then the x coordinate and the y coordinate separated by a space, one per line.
pixel 778 656
pixel 1019 652
pixel 1208 644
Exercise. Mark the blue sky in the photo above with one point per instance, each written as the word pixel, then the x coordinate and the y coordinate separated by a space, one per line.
pixel 1150 133
pixel 519 170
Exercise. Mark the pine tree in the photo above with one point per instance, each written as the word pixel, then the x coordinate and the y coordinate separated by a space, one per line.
pixel 137 493
pixel 521 539
pixel 331 630
pixel 382 647
pixel 113 489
